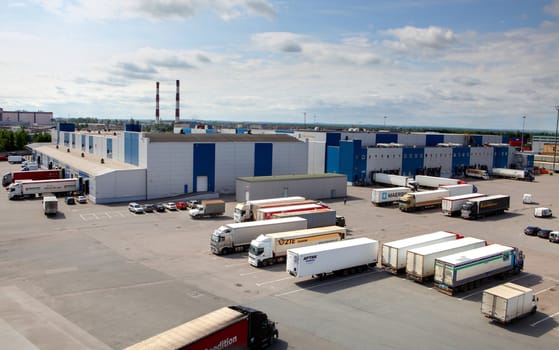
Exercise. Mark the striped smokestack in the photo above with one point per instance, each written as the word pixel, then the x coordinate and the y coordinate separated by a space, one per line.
pixel 157 102
pixel 177 114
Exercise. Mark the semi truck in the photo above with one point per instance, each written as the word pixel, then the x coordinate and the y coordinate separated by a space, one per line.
pixel 50 204
pixel 394 253
pixel 208 207
pixel 315 218
pixel 435 181
pixel 388 195
pixel 452 206
pixel 466 270
pixel 49 174
pixel 237 236
pixel 246 211
pixel 268 212
pixel 433 198
pixel 483 206
pixel 337 258
pixel 517 174
pixel 420 262
pixel 477 173
pixel 271 248
pixel 507 302
pixel 233 327
pixel 393 180
pixel 30 188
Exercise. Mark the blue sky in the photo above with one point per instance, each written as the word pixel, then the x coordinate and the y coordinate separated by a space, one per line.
pixel 444 63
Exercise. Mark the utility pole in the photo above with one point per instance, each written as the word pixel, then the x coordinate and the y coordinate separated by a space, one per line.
pixel 522 137
pixel 555 146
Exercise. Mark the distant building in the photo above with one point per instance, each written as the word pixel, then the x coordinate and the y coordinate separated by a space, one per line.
pixel 26 118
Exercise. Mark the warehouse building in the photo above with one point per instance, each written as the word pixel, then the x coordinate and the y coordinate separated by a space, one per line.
pixel 132 165
pixel 313 186
pixel 25 118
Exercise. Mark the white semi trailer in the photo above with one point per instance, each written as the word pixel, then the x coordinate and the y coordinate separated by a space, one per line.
pixel 393 180
pixel 388 195
pixel 235 237
pixel 246 211
pixel 394 253
pixel 420 262
pixel 271 248
pixel 31 188
pixel 343 257
pixel 452 206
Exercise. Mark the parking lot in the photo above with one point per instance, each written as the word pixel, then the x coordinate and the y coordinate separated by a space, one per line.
pixel 101 277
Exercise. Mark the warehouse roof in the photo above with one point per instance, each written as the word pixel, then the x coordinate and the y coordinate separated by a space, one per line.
pixel 89 163
pixel 290 177
pixel 168 137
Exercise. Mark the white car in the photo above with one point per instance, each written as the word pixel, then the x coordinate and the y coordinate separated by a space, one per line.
pixel 82 199
pixel 136 208
pixel 170 206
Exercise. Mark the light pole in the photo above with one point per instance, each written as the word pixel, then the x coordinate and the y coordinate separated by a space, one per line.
pixel 522 137
pixel 385 121
pixel 305 120
pixel 555 146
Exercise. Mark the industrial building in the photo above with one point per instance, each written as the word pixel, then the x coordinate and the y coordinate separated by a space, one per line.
pixel 132 165
pixel 25 118
pixel 315 186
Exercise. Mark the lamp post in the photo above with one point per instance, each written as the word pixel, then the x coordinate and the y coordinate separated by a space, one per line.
pixel 522 137
pixel 385 121
pixel 555 146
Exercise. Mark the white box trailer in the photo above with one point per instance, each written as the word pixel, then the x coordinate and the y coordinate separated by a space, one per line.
pixel 394 180
pixel 343 257
pixel 272 248
pixel 477 173
pixel 50 204
pixel 420 262
pixel 435 181
pixel 268 212
pixel 465 270
pixel 507 302
pixel 30 188
pixel 245 211
pixel 517 174
pixel 237 236
pixel 394 253
pixel 452 206
pixel 388 195
pixel 315 218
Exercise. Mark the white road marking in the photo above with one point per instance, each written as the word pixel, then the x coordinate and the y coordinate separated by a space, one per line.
pixel 544 319
pixel 322 284
pixel 274 281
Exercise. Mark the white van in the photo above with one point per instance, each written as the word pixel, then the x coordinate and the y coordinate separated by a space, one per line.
pixel 543 212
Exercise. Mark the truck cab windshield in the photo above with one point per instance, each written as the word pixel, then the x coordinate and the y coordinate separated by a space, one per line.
pixel 255 250
pixel 217 238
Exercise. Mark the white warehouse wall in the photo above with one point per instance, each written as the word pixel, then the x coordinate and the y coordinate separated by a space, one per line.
pixel 232 159
pixel 455 138
pixel 481 156
pixel 118 185
pixel 317 151
pixel 435 157
pixel 289 158
pixel 383 159
pixel 410 140
pixel 169 168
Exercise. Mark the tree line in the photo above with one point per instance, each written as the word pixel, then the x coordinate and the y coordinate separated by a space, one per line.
pixel 16 140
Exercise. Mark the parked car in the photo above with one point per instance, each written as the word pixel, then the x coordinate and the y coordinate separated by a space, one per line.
pixel 543 212
pixel 554 236
pixel 192 203
pixel 70 200
pixel 531 230
pixel 136 208
pixel 149 208
pixel 182 205
pixel 170 205
pixel 159 207
pixel 544 233
pixel 82 199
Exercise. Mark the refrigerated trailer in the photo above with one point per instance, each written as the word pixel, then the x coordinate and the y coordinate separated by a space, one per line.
pixel 507 302
pixel 236 237
pixel 452 206
pixel 394 253
pixel 393 180
pixel 30 188
pixel 466 270
pixel 420 262
pixel 433 198
pixel 272 248
pixel 49 174
pixel 268 213
pixel 233 327
pixel 517 174
pixel 435 181
pixel 338 258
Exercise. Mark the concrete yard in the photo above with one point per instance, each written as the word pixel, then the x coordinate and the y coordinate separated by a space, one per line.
pixel 100 277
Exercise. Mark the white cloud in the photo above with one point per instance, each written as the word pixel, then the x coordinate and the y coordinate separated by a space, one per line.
pixel 413 38
pixel 553 8
pixel 157 9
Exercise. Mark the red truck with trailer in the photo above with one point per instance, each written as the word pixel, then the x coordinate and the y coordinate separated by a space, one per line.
pixel 233 327
pixel 49 174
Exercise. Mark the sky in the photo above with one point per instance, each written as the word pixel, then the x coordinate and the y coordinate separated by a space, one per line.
pixel 488 64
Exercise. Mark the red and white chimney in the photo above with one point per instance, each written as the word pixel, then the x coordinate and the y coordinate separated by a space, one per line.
pixel 177 113
pixel 157 102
